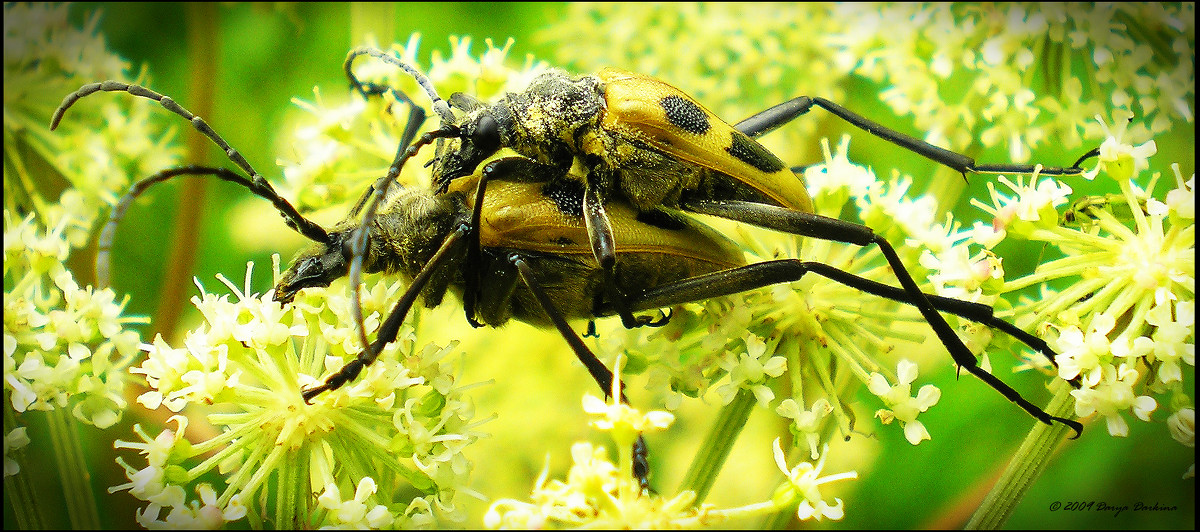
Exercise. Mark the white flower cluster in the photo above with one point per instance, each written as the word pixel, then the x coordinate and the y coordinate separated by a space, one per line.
pixel 405 414
pixel 64 345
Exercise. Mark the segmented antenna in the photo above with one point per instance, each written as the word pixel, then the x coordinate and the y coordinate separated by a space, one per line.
pixel 358 244
pixel 104 245
pixel 405 152
pixel 416 117
pixel 439 105
pixel 256 183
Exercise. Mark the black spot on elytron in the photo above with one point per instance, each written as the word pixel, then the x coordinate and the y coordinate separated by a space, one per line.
pixel 563 241
pixel 566 194
pixel 753 154
pixel 661 220
pixel 685 114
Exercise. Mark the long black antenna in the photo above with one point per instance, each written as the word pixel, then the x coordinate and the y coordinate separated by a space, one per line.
pixel 439 105
pixel 256 183
pixel 104 245
pixel 403 154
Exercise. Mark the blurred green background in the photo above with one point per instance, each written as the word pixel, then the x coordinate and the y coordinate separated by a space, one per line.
pixel 270 53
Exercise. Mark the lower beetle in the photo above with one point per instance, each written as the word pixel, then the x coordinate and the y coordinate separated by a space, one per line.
pixel 533 244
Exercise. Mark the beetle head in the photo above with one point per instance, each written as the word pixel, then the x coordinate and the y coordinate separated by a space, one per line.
pixel 483 132
pixel 405 233
pixel 318 265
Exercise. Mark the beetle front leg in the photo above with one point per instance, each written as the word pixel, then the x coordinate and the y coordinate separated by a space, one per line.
pixel 600 234
pixel 416 117
pixel 452 246
pixel 833 229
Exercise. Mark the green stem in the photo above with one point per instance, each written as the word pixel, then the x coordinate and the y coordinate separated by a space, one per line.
pixel 715 449
pixel 1027 464
pixel 203 39
pixel 17 488
pixel 72 470
pixel 291 509
pixel 778 520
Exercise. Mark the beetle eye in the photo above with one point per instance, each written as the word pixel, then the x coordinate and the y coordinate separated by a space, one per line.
pixel 486 136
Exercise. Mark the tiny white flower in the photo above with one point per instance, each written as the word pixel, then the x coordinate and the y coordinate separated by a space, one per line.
pixel 803 487
pixel 1111 395
pixel 806 422
pixel 904 407
pixel 1120 159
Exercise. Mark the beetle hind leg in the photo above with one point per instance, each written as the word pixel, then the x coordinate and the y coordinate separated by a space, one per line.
pixel 816 226
pixel 774 117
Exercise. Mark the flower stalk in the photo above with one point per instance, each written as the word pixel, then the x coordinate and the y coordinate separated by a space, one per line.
pixel 1026 465
pixel 710 458
pixel 72 470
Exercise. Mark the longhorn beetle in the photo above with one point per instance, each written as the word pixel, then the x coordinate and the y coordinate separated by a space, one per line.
pixel 680 260
pixel 527 231
pixel 640 139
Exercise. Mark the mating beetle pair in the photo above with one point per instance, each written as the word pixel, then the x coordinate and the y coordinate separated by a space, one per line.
pixel 588 219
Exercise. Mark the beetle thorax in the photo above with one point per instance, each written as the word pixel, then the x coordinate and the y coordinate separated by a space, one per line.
pixel 553 114
pixel 409 229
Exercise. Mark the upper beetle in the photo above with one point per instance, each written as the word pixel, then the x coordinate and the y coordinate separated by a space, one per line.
pixel 634 134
